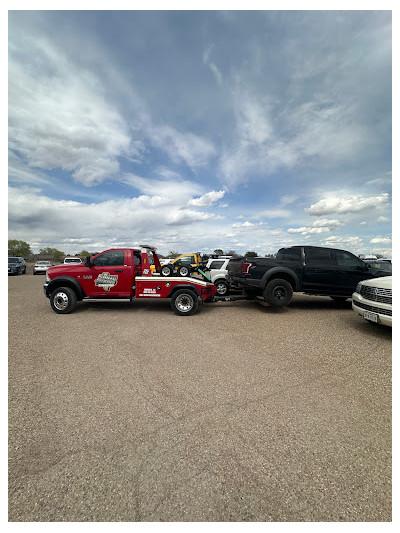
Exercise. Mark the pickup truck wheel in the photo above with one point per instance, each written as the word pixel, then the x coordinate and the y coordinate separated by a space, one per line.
pixel 183 271
pixel 63 300
pixel 184 302
pixel 222 287
pixel 165 271
pixel 278 293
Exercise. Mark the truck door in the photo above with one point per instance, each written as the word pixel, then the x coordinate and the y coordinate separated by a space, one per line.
pixel 109 275
pixel 350 270
pixel 319 270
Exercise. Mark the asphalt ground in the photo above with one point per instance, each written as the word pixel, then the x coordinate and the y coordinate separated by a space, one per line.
pixel 125 412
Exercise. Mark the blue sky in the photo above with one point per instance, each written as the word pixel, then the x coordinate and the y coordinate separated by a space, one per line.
pixel 197 130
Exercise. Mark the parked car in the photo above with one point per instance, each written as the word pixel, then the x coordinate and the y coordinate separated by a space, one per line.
pixel 69 260
pixel 373 300
pixel 40 267
pixel 16 265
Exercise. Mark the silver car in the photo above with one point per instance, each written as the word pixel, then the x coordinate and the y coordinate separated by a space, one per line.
pixel 40 267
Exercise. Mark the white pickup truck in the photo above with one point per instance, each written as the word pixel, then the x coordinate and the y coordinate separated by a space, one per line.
pixel 218 272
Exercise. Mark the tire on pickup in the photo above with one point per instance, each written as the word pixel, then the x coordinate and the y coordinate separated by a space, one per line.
pixel 278 292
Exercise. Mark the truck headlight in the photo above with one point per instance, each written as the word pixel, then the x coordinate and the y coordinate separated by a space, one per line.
pixel 358 288
pixel 47 278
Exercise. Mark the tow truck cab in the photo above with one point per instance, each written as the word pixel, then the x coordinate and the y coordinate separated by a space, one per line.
pixel 121 273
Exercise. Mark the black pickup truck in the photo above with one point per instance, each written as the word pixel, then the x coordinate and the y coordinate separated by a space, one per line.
pixel 308 269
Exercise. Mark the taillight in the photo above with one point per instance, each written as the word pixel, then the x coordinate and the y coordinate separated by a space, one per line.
pixel 246 267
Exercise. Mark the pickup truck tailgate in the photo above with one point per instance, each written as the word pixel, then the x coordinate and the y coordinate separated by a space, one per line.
pixel 235 267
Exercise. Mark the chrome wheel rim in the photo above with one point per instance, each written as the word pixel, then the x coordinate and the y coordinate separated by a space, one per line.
pixel 184 303
pixel 221 288
pixel 184 271
pixel 60 301
pixel 165 271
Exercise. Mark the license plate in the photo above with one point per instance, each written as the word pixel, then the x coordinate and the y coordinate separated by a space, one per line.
pixel 369 315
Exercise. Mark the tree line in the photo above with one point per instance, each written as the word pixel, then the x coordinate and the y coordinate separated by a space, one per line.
pixel 23 249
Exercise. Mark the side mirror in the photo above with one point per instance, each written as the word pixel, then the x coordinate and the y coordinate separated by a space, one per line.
pixel 87 261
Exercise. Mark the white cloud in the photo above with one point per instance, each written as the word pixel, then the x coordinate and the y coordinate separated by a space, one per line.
pixel 59 118
pixel 60 223
pixel 187 216
pixel 207 199
pixel 246 224
pixel 381 240
pixel 342 241
pixel 185 147
pixel 333 204
pixel 308 231
pixel 383 219
pixel 274 213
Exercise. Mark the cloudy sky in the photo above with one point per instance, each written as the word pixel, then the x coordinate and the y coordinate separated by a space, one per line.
pixel 197 130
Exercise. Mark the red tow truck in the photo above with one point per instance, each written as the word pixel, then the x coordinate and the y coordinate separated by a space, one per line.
pixel 122 273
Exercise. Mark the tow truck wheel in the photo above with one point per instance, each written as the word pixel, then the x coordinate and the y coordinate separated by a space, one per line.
pixel 278 293
pixel 183 271
pixel 184 302
pixel 165 271
pixel 63 300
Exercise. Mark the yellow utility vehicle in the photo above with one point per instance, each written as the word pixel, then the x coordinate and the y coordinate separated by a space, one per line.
pixel 181 266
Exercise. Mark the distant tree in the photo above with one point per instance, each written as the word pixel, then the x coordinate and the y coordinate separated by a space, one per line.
pixel 218 251
pixel 251 254
pixel 269 255
pixel 379 256
pixel 83 253
pixel 173 255
pixel 52 252
pixel 18 248
pixel 231 252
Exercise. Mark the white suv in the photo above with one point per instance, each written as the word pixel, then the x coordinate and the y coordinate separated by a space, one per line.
pixel 218 272
pixel 373 300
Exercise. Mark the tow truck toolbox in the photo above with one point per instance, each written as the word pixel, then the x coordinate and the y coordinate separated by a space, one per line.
pixel 122 273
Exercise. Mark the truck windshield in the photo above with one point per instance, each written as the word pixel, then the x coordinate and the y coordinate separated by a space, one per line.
pixel 13 259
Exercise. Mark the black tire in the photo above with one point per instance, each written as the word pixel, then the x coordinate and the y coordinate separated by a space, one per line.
pixel 184 302
pixel 184 271
pixel 24 272
pixel 165 271
pixel 63 300
pixel 278 293
pixel 34 273
pixel 222 287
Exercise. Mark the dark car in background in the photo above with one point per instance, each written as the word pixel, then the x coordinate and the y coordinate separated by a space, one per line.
pixel 16 265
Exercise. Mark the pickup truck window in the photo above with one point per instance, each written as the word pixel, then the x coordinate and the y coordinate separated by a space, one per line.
pixel 345 259
pixel 111 258
pixel 216 264
pixel 136 258
pixel 289 254
pixel 318 255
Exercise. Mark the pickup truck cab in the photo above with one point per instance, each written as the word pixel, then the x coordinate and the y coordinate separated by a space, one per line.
pixel 309 269
pixel 121 273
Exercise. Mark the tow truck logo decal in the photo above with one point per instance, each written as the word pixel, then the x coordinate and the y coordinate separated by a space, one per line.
pixel 106 280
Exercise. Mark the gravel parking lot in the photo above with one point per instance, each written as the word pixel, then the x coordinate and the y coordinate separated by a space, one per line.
pixel 126 412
